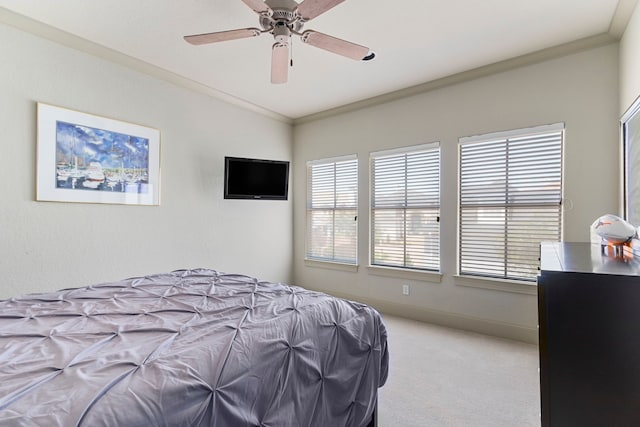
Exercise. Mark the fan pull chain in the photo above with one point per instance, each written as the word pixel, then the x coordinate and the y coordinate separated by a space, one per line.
pixel 291 57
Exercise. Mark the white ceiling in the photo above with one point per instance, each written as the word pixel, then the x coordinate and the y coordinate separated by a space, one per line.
pixel 416 41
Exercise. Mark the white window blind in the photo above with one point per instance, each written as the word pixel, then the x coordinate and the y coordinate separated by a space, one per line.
pixel 510 201
pixel 405 208
pixel 332 209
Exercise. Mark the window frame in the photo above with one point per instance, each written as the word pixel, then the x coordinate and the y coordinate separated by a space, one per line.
pixel 431 274
pixel 532 132
pixel 316 260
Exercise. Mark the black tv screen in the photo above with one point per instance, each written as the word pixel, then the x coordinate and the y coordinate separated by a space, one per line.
pixel 255 179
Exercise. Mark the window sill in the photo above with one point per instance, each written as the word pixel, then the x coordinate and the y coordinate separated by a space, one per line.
pixel 505 285
pixel 331 265
pixel 425 276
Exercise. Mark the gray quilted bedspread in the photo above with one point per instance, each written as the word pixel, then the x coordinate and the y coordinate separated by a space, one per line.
pixel 189 348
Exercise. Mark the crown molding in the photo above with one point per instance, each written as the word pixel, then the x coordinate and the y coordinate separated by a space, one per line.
pixel 64 38
pixel 617 27
pixel 498 67
pixel 621 17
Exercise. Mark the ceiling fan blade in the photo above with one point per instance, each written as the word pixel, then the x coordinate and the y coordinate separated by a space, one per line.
pixel 280 63
pixel 309 9
pixel 258 6
pixel 222 36
pixel 335 45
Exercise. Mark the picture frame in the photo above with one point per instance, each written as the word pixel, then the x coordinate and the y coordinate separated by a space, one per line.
pixel 86 158
pixel 630 135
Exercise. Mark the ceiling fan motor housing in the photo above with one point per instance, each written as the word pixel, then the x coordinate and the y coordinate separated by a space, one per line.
pixel 282 20
pixel 289 5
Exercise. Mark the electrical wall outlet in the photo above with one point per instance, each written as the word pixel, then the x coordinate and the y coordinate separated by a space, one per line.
pixel 405 289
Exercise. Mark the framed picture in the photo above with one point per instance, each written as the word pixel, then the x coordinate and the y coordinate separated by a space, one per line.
pixel 630 131
pixel 91 159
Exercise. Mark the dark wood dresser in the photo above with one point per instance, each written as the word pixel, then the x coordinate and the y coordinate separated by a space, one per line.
pixel 589 331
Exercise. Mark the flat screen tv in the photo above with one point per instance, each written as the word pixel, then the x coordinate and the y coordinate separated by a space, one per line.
pixel 255 179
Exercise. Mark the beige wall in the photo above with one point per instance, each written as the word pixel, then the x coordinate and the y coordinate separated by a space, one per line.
pixel 46 246
pixel 630 62
pixel 579 90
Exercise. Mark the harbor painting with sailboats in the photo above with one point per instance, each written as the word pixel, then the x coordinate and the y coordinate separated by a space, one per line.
pixel 89 158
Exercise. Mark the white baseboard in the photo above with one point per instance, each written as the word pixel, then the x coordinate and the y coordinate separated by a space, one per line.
pixel 451 320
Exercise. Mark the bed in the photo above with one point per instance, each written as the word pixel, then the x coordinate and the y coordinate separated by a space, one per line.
pixel 190 348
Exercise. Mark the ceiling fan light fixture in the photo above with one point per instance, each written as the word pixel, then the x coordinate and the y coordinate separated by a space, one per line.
pixel 281 33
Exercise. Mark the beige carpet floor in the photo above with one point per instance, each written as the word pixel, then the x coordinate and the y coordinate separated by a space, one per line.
pixel 446 377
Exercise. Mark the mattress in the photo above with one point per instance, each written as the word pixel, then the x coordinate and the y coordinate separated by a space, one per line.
pixel 189 348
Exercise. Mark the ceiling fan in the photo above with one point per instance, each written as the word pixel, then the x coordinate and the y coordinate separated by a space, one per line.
pixel 282 18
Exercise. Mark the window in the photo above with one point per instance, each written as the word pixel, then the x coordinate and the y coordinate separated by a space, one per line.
pixel 405 208
pixel 332 209
pixel 510 200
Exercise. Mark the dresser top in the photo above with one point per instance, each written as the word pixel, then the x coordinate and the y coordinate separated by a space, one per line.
pixel 584 258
